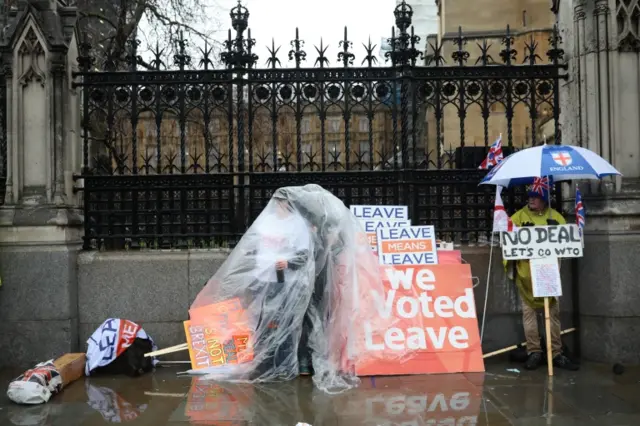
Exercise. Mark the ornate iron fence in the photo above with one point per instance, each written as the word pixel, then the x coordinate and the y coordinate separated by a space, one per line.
pixel 189 156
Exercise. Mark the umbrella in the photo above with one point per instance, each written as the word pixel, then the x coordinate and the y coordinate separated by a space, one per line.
pixel 562 162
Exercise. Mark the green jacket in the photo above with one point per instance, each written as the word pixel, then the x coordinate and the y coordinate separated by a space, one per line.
pixel 525 217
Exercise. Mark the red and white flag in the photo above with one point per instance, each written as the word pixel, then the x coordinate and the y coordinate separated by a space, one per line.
pixel 501 220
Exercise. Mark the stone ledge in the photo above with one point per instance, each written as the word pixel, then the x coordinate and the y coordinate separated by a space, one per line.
pixel 39 283
pixel 610 340
pixel 25 343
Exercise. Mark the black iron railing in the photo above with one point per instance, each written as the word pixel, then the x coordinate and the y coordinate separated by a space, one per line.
pixel 188 156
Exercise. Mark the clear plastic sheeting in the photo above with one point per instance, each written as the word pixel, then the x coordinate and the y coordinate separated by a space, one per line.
pixel 298 275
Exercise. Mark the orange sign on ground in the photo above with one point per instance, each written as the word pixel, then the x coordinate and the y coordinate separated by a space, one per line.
pixel 218 334
pixel 431 324
pixel 232 306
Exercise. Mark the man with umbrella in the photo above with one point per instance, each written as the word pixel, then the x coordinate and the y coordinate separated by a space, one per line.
pixel 561 163
pixel 537 213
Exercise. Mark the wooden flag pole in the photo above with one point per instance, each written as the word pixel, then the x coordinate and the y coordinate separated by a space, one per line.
pixel 514 347
pixel 547 326
pixel 170 350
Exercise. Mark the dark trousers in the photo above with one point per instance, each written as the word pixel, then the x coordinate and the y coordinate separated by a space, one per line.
pixel 274 346
pixel 313 315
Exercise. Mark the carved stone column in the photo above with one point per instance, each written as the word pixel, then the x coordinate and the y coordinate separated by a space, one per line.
pixel 602 111
pixel 39 134
pixel 40 224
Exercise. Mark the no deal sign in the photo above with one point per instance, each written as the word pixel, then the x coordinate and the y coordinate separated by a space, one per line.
pixel 539 242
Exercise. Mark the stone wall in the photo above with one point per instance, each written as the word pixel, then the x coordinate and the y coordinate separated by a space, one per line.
pixel 54 308
pixel 39 292
pixel 600 108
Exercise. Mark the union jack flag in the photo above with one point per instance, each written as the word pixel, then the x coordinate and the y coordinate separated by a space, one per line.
pixel 580 214
pixel 541 187
pixel 494 156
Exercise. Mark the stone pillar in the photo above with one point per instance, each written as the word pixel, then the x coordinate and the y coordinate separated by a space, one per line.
pixel 40 223
pixel 601 111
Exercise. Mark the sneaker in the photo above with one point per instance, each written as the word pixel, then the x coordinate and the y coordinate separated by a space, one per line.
pixel 561 361
pixel 305 367
pixel 534 361
pixel 306 370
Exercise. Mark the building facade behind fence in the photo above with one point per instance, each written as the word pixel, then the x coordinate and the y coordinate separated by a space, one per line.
pixel 188 154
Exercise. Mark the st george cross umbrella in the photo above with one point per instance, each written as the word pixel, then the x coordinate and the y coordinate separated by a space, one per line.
pixel 562 162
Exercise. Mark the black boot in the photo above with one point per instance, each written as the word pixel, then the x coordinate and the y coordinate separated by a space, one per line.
pixel 534 361
pixel 562 361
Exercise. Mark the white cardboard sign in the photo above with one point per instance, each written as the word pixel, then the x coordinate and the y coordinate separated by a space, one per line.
pixel 535 242
pixel 413 245
pixel 380 212
pixel 545 277
pixel 371 227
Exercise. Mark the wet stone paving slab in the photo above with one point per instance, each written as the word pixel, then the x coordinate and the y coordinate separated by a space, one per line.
pixel 503 396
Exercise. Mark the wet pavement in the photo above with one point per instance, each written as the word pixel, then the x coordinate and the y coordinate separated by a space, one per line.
pixel 502 396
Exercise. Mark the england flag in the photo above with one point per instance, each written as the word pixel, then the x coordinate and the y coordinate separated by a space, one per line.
pixel 501 220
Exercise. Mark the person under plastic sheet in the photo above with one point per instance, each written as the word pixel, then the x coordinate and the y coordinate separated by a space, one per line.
pixel 314 204
pixel 272 270
pixel 284 270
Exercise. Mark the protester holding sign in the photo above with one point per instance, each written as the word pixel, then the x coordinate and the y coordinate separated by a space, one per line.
pixel 537 213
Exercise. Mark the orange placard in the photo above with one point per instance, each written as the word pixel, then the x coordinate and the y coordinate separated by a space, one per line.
pixel 425 323
pixel 232 305
pixel 447 257
pixel 407 246
pixel 218 334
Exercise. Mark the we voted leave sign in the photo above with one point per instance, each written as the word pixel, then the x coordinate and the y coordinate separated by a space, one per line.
pixel 382 213
pixel 414 245
pixel 371 227
pixel 430 314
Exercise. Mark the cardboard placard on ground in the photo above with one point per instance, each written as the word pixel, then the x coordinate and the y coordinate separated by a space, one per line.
pixel 218 334
pixel 536 242
pixel 70 367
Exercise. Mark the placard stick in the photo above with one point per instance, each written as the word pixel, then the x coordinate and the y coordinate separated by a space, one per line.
pixel 550 399
pixel 169 350
pixel 547 325
pixel 514 347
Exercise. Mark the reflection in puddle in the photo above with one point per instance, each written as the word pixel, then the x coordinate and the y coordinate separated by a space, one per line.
pixel 415 401
pixel 113 407
pixel 428 401
pixel 40 415
pixel 210 403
